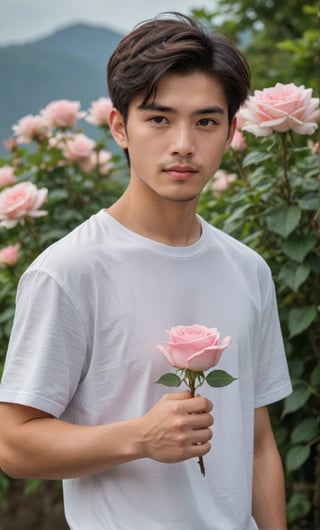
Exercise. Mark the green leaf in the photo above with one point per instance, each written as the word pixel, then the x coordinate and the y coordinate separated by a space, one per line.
pixel 298 506
pixel 294 275
pixel 255 158
pixel 296 457
pixel 58 195
pixel 315 375
pixel 296 368
pixel 305 431
pixel 31 486
pixel 282 220
pixel 309 203
pixel 219 378
pixel 297 247
pixel 53 235
pixel 7 315
pixel 170 380
pixel 297 399
pixel 300 319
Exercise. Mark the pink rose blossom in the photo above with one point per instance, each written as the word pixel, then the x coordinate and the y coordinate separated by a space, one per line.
pixel 58 140
pixel 99 162
pixel 315 147
pixel 279 109
pixel 99 111
pixel 103 161
pixel 10 144
pixel 238 141
pixel 222 180
pixel 9 255
pixel 194 347
pixel 7 176
pixel 29 128
pixel 20 201
pixel 79 148
pixel 62 113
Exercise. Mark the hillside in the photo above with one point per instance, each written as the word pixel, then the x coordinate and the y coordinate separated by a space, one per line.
pixel 69 64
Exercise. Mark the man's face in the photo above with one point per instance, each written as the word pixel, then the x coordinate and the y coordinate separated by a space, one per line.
pixel 177 140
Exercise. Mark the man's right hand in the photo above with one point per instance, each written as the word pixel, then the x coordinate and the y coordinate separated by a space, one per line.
pixel 177 428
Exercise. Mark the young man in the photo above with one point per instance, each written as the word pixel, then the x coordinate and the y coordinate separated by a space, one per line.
pixel 79 399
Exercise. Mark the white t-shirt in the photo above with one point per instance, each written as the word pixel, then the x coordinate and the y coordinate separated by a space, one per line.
pixel 90 311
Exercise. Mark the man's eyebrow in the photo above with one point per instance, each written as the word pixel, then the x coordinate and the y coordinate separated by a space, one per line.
pixel 215 109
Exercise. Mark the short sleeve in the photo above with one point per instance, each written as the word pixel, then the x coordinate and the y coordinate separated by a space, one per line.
pixel 47 348
pixel 272 381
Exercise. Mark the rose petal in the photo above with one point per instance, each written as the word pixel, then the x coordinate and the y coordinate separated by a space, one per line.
pixel 166 353
pixel 207 358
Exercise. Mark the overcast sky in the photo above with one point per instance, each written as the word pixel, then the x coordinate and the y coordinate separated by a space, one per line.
pixel 25 20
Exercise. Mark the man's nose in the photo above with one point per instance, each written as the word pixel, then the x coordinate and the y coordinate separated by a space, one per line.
pixel 182 141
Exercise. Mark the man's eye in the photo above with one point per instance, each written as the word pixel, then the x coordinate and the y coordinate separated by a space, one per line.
pixel 206 122
pixel 158 120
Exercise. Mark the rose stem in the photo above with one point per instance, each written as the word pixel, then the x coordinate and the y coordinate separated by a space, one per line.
pixel 192 389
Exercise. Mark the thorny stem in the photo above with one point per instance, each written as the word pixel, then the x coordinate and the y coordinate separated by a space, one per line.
pixel 285 167
pixel 242 171
pixel 34 234
pixel 192 386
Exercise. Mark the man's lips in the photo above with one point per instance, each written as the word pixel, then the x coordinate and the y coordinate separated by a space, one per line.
pixel 178 172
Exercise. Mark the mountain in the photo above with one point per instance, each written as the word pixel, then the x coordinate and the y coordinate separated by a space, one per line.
pixel 68 64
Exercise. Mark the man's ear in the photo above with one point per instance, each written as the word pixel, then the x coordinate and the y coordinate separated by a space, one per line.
pixel 118 128
pixel 232 130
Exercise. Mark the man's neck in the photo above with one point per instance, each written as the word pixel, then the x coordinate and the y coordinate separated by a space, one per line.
pixel 171 224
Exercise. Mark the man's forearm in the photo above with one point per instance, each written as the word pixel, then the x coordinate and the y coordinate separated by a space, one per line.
pixel 53 449
pixel 269 505
pixel 34 444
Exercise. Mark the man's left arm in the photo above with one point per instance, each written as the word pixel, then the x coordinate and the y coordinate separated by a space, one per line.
pixel 269 505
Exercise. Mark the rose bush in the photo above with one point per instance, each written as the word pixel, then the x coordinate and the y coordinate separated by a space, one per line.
pixel 35 170
pixel 194 347
pixel 273 206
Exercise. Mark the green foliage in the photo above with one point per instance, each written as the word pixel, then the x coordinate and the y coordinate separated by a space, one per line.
pixel 274 207
pixel 280 39
pixel 278 215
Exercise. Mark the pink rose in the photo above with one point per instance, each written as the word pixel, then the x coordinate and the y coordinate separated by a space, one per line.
pixel 10 144
pixel 20 201
pixel 29 128
pixel 315 148
pixel 238 141
pixel 222 180
pixel 9 255
pixel 194 347
pixel 7 176
pixel 103 161
pixel 79 148
pixel 280 108
pixel 99 111
pixel 97 161
pixel 62 113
